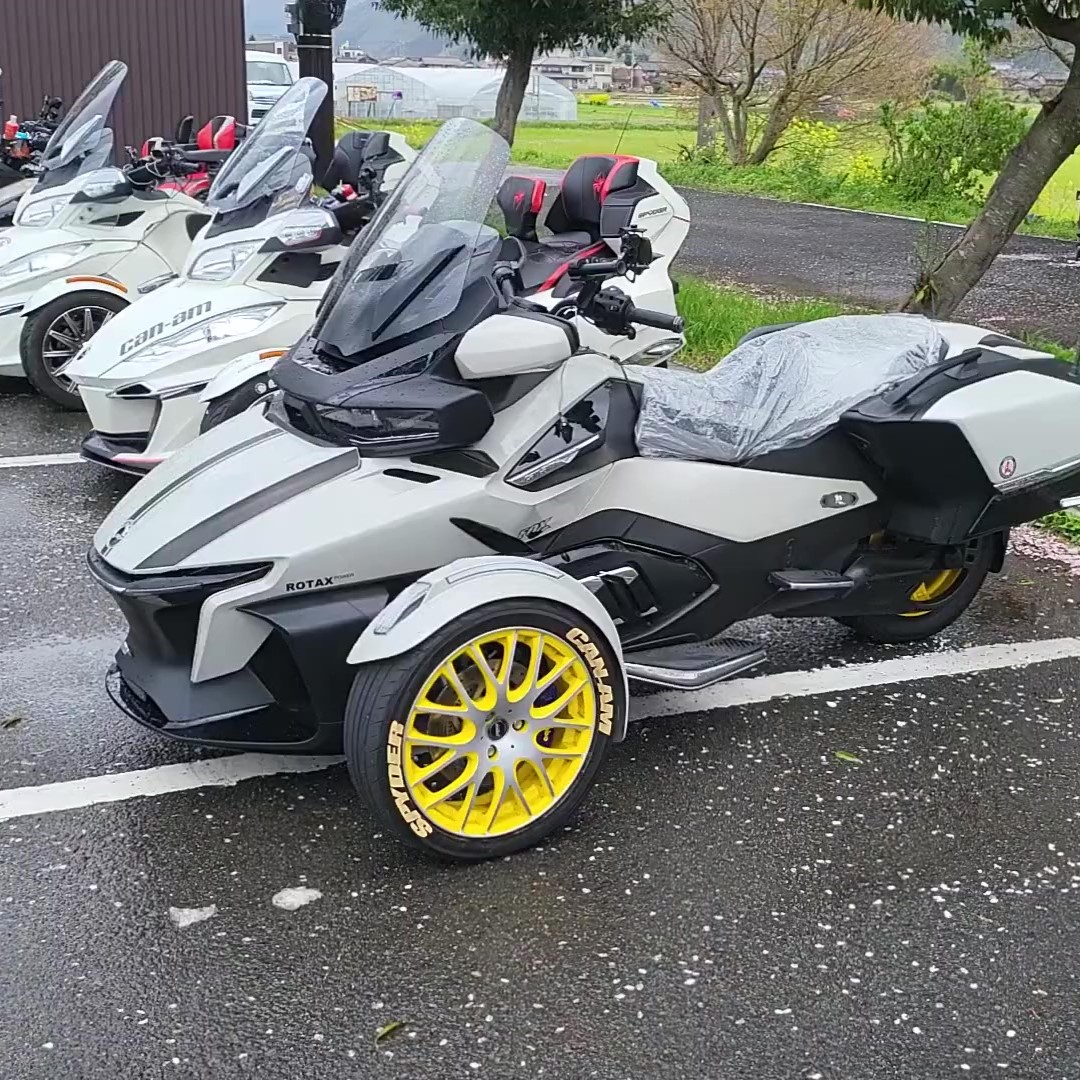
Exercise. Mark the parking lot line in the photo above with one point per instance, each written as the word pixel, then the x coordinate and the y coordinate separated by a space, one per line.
pixel 32 461
pixel 227 771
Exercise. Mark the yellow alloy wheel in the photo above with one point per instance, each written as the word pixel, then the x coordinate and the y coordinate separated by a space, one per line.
pixel 935 588
pixel 499 732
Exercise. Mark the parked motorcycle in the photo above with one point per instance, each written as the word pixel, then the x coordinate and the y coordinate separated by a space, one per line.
pixel 148 400
pixel 85 237
pixel 164 368
pixel 455 532
pixel 21 146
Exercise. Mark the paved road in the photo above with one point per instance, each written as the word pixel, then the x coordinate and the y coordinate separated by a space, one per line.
pixel 734 901
pixel 872 259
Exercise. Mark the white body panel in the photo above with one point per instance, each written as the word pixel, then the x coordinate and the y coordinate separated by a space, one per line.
pixel 724 500
pixel 506 345
pixel 241 370
pixel 1019 424
pixel 153 243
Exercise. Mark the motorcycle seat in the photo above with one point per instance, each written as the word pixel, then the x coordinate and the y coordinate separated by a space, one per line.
pixel 780 390
pixel 585 187
pixel 521 198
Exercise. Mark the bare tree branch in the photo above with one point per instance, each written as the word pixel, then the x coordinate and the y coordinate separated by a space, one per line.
pixel 780 57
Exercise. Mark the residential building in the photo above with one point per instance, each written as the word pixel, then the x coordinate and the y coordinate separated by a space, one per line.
pixel 576 73
pixel 275 46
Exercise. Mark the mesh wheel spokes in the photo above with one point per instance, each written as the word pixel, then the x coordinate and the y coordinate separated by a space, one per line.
pixel 499 732
pixel 933 589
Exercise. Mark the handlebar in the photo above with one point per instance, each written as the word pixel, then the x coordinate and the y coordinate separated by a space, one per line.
pixel 658 320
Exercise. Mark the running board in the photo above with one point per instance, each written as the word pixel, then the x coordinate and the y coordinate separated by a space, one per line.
pixel 692 667
pixel 811 581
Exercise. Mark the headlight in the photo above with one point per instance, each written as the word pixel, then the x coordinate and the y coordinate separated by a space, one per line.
pixel 221 263
pixel 43 262
pixel 234 324
pixel 363 427
pixel 40 212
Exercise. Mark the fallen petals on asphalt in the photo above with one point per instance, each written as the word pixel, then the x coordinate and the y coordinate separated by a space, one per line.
pixel 188 916
pixel 291 899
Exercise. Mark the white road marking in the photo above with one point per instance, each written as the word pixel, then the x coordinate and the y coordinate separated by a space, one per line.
pixel 33 461
pixel 832 680
pixel 160 780
pixel 227 771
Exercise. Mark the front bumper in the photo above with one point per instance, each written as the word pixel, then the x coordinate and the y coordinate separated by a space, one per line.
pixel 11 326
pixel 124 453
pixel 288 698
pixel 135 434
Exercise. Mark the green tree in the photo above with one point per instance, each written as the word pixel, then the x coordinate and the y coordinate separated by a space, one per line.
pixel 1046 145
pixel 514 31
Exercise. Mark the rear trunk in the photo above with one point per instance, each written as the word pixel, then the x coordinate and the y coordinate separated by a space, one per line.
pixel 974 446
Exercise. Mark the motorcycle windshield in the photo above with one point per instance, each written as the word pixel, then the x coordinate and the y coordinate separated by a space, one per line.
pixel 269 160
pixel 82 136
pixel 411 265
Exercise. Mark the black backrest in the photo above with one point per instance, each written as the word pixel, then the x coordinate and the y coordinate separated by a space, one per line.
pixel 185 129
pixel 348 156
pixel 521 198
pixel 357 151
pixel 587 183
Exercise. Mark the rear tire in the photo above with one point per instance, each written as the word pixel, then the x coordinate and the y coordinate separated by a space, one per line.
pixel 385 729
pixel 65 324
pixel 900 629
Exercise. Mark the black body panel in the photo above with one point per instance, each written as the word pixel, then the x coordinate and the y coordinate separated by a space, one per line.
pixel 102 449
pixel 291 695
pixel 739 571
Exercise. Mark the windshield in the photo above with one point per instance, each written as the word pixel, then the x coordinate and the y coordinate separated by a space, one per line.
pixel 266 71
pixel 267 160
pixel 82 135
pixel 409 268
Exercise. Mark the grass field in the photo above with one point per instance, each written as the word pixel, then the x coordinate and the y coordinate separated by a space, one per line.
pixel 717 316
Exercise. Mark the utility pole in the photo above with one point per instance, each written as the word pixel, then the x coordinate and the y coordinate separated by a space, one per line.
pixel 312 23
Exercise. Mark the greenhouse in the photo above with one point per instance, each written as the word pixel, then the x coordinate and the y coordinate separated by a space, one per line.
pixel 373 92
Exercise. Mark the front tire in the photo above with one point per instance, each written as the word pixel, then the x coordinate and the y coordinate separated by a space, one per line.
pixel 942 598
pixel 486 737
pixel 55 333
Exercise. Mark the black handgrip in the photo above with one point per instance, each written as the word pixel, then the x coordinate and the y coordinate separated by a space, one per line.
pixel 656 319
pixel 596 269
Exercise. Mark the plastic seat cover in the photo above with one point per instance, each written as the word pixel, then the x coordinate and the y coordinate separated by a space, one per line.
pixel 781 389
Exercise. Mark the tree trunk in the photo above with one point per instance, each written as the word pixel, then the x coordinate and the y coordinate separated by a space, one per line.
pixel 512 91
pixel 731 116
pixel 780 117
pixel 1033 161
pixel 706 120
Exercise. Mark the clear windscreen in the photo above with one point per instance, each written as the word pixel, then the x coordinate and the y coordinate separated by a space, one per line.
pixel 409 267
pixel 83 135
pixel 267 161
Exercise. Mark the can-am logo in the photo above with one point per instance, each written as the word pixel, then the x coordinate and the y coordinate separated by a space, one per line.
pixel 151 332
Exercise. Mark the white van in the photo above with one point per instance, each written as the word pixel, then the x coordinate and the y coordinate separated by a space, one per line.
pixel 268 77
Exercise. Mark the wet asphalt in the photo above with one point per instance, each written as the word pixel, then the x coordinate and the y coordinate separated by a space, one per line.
pixel 872 259
pixel 734 901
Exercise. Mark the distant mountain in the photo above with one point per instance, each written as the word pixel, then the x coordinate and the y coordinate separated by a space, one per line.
pixel 376 32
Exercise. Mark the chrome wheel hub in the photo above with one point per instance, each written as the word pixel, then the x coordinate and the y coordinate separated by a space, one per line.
pixel 66 335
